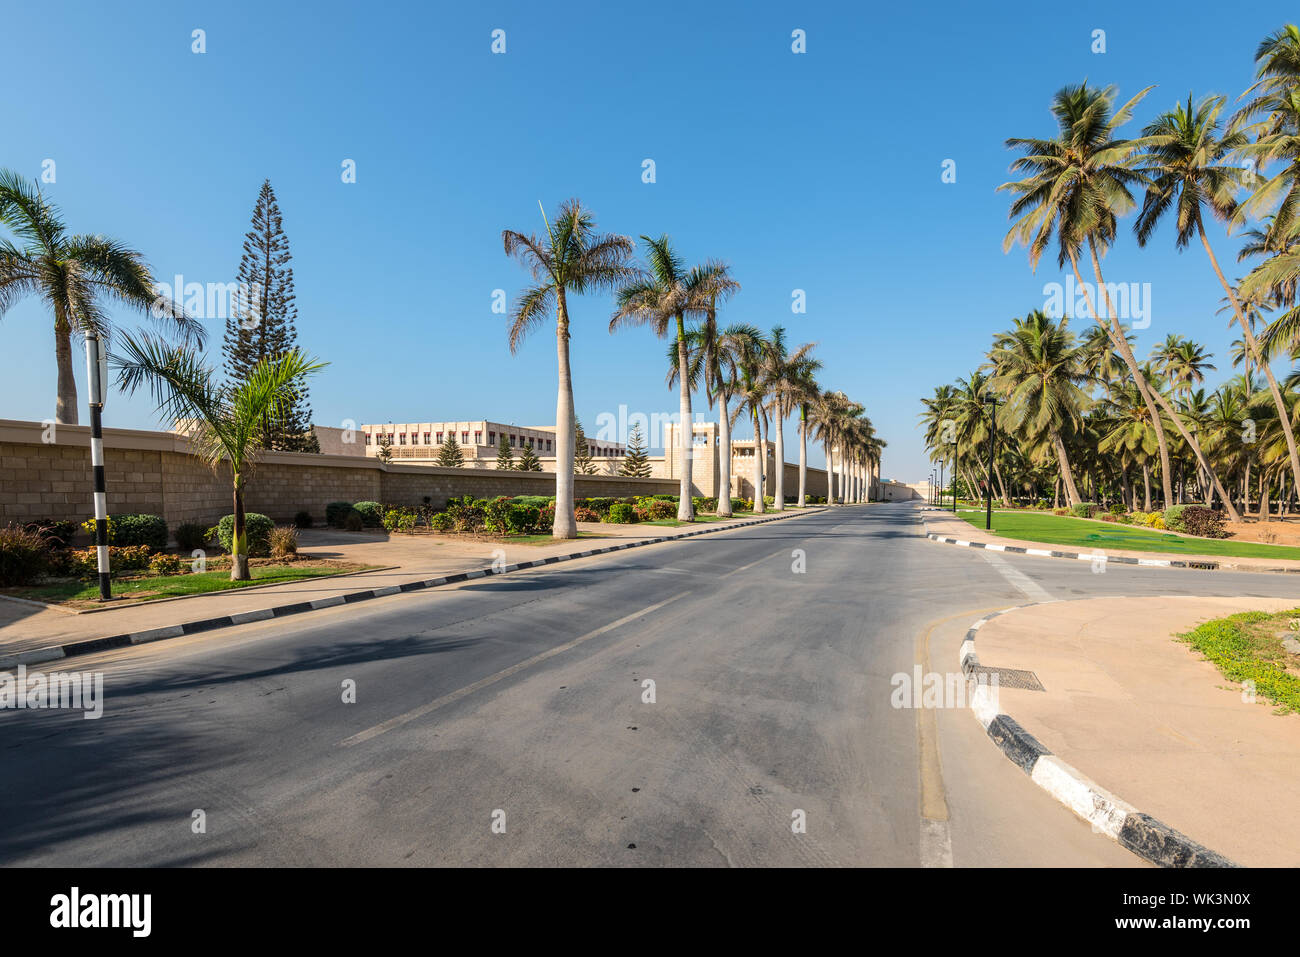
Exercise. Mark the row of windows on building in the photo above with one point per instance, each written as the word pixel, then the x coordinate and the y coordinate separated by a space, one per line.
pixel 437 438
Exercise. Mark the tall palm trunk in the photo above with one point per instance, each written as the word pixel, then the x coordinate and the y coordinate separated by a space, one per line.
pixel 1165 474
pixel 1252 346
pixel 1146 485
pixel 803 454
pixel 830 473
pixel 65 402
pixel 1063 462
pixel 778 470
pixel 724 458
pixel 1117 339
pixel 239 535
pixel 565 524
pixel 685 508
pixel 758 465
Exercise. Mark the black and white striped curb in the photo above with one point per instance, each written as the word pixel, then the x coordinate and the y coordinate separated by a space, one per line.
pixel 1083 556
pixel 94 645
pixel 1142 834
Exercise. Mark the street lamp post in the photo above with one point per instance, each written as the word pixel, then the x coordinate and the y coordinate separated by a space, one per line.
pixel 97 384
pixel 940 496
pixel 988 481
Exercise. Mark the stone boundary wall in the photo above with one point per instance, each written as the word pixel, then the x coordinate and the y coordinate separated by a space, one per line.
pixel 154 472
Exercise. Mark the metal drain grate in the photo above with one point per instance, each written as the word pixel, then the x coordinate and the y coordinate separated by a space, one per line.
pixel 1010 678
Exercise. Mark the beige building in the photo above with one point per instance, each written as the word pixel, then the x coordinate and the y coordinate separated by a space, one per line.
pixel 415 441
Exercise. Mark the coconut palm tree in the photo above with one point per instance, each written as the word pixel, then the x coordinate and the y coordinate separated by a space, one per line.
pixel 572 259
pixel 74 275
pixel 1037 368
pixel 1079 184
pixel 226 418
pixel 1186 162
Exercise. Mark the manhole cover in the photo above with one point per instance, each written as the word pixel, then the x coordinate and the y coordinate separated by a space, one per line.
pixel 1009 678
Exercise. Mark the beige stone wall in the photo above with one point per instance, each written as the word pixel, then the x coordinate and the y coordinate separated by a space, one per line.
pixel 153 472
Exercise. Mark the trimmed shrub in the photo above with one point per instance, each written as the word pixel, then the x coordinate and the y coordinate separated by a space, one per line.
pixel 256 526
pixel 191 535
pixel 284 541
pixel 495 514
pixel 660 508
pixel 600 505
pixel 165 564
pixel 1060 511
pixel 582 513
pixel 546 518
pixel 1083 510
pixel 352 522
pixel 541 501
pixel 521 519
pixel 621 513
pixel 1108 517
pixel 24 555
pixel 399 519
pixel 372 513
pixel 148 530
pixel 703 504
pixel 1173 517
pixel 336 513
pixel 441 522
pixel 302 519
pixel 1118 509
pixel 1202 521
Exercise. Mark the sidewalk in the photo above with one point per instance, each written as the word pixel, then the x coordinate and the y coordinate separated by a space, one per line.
pixel 1148 719
pixel 26 627
pixel 946 526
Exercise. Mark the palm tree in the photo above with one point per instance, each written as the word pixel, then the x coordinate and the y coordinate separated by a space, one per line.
pixel 226 418
pixel 572 259
pixel 786 374
pixel 1186 162
pixel 1183 361
pixel 708 285
pixel 751 395
pixel 662 297
pixel 73 275
pixel 1079 184
pixel 1037 368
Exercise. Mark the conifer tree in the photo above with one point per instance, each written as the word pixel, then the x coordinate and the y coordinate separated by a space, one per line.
pixel 263 325
pixel 582 462
pixel 449 454
pixel 385 448
pixel 528 462
pixel 635 462
pixel 505 458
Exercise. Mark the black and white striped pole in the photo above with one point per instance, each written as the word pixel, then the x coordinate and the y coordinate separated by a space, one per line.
pixel 97 383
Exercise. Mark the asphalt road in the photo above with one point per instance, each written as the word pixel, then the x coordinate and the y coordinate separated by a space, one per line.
pixel 504 721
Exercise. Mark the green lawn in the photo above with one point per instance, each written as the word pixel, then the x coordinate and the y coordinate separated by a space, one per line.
pixel 1085 534
pixel 171 586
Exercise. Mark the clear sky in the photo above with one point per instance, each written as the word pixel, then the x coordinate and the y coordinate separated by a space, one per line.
pixel 818 171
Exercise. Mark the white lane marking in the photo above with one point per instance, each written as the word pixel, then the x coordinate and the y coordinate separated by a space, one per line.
pixel 469 689
pixel 1031 589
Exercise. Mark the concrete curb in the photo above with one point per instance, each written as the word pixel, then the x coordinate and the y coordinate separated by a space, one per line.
pixel 1142 834
pixel 94 645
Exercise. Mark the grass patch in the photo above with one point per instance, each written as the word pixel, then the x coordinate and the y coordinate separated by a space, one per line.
pixel 1248 647
pixel 699 517
pixel 1063 530
pixel 151 588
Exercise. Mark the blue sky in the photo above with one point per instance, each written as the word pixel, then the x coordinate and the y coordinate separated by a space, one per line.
pixel 819 171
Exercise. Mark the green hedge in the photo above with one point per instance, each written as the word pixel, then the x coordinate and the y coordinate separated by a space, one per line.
pixel 256 526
